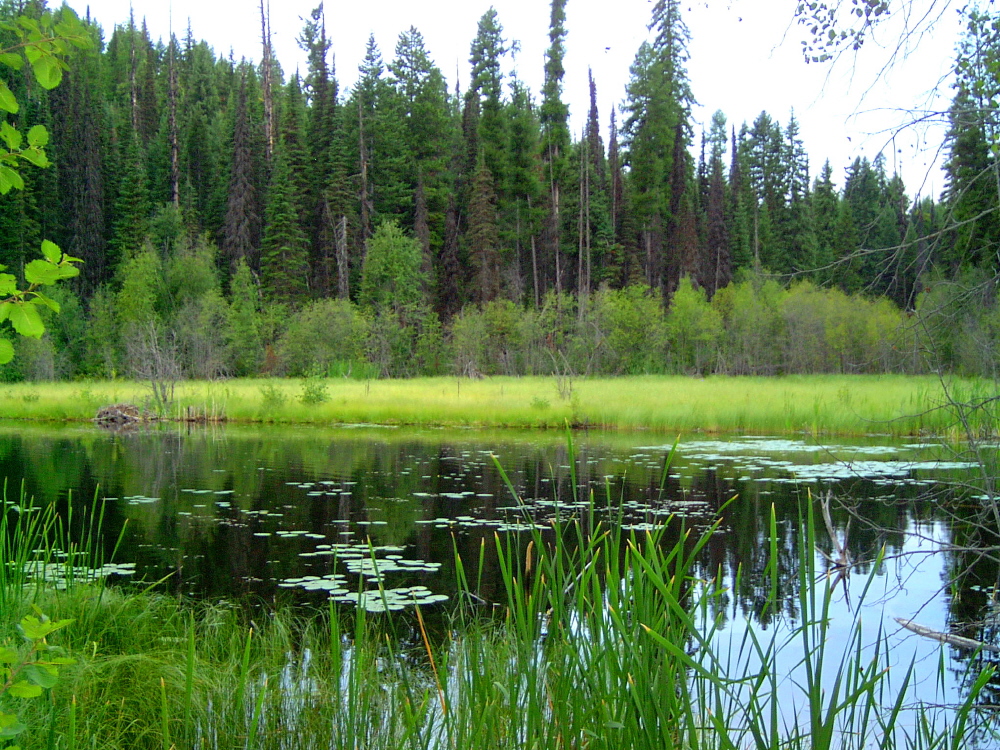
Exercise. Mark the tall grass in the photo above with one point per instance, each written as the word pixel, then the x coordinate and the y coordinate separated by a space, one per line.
pixel 847 405
pixel 603 639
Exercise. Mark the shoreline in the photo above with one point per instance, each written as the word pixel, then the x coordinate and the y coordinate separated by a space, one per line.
pixel 849 405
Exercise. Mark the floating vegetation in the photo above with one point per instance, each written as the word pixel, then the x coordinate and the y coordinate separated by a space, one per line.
pixel 377 567
pixel 715 450
pixel 350 551
pixel 304 522
pixel 334 584
pixel 140 500
pixel 61 575
pixel 870 469
pixel 390 600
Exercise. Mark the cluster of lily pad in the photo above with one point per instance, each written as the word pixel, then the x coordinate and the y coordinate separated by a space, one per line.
pixel 60 575
pixel 371 563
pixel 391 600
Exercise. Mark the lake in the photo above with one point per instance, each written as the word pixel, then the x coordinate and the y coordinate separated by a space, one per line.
pixel 309 513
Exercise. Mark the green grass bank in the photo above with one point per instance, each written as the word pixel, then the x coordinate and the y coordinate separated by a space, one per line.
pixel 830 404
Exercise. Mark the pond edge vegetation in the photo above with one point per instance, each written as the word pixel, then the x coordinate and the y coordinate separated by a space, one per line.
pixel 820 404
pixel 565 658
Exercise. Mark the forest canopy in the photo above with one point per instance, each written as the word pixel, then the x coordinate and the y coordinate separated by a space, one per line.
pixel 238 220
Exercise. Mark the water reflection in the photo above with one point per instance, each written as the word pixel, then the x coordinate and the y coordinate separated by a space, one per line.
pixel 306 512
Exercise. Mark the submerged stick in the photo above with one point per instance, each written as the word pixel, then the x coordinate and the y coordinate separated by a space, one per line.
pixel 951 640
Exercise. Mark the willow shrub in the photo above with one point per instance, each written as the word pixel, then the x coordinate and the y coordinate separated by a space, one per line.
pixel 828 331
pixel 693 330
pixel 325 336
pixel 753 327
pixel 489 340
pixel 958 322
pixel 633 328
pixel 406 343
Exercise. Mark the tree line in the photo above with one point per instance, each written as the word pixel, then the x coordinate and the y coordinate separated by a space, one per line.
pixel 235 219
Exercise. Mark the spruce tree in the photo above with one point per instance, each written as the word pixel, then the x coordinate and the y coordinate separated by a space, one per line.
pixel 483 238
pixel 243 329
pixel 284 263
pixel 554 116
pixel 524 188
pixel 486 56
pixel 377 121
pixel 292 130
pixel 132 210
pixel 825 208
pixel 429 133
pixel 971 190
pixel 327 201
pixel 242 226
pixel 658 104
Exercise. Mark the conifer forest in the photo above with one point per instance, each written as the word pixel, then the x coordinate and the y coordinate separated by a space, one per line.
pixel 236 219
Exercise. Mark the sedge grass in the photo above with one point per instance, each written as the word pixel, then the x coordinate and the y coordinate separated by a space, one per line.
pixel 606 644
pixel 844 405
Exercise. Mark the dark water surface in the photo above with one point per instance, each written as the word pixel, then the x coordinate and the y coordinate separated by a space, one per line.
pixel 310 513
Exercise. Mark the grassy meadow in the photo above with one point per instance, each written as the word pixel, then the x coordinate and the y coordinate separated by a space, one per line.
pixel 832 404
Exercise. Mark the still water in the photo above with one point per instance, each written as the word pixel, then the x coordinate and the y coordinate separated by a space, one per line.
pixel 307 514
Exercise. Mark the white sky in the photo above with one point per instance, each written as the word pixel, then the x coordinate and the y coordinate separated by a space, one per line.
pixel 745 58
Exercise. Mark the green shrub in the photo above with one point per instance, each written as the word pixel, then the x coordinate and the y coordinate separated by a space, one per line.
pixel 323 336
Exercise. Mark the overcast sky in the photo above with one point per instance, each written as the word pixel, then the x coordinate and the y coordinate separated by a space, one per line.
pixel 745 58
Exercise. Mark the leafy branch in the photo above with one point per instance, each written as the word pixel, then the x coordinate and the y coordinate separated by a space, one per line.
pixel 21 306
pixel 29 671
pixel 42 43
pixel 835 26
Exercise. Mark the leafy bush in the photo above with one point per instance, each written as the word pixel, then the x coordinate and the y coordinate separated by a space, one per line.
pixel 322 337
pixel 272 397
pixel 693 328
pixel 313 391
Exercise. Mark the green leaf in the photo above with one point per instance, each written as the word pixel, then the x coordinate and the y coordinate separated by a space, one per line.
pixel 10 135
pixel 41 299
pixel 47 71
pixel 43 675
pixel 29 23
pixel 6 351
pixel 11 60
pixel 24 689
pixel 8 102
pixel 51 251
pixel 7 654
pixel 36 628
pixel 36 156
pixel 42 272
pixel 38 136
pixel 8 285
pixel 9 178
pixel 31 627
pixel 10 726
pixel 27 322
